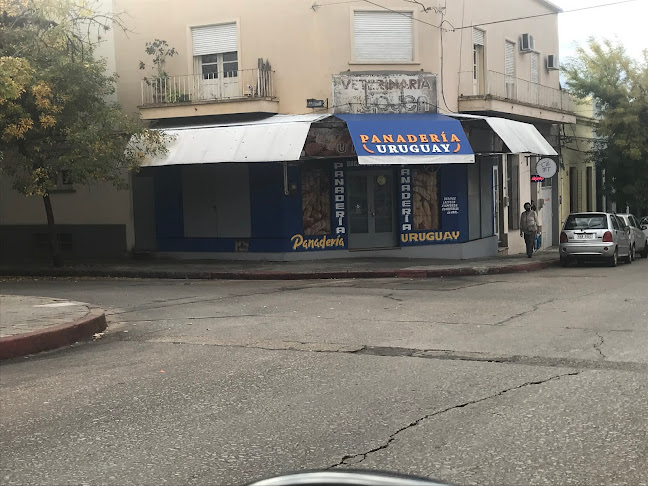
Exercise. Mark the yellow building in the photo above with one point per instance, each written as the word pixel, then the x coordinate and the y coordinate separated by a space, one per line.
pixel 577 182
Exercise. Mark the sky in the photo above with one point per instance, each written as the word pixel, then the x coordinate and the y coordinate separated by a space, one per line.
pixel 626 23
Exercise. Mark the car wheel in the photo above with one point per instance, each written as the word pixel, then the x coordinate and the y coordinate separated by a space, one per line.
pixel 633 253
pixel 614 259
pixel 630 256
pixel 644 252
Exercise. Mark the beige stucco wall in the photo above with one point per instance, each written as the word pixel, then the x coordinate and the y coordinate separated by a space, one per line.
pixel 95 204
pixel 306 46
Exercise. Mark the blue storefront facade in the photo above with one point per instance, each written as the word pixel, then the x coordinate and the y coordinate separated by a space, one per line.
pixel 387 185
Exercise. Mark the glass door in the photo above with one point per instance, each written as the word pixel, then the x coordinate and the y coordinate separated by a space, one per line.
pixel 220 76
pixel 372 220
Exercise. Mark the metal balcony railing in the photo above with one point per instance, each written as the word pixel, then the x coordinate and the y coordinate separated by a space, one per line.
pixel 504 87
pixel 220 86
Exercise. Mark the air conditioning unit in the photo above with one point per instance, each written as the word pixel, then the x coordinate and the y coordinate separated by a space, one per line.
pixel 527 43
pixel 552 62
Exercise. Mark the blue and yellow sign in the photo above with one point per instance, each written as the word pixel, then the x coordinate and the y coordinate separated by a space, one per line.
pixel 323 242
pixel 434 138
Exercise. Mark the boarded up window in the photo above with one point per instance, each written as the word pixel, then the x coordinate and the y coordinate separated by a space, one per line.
pixel 316 201
pixel 425 190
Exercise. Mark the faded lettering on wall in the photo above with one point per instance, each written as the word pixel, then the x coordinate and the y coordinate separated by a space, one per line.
pixel 385 93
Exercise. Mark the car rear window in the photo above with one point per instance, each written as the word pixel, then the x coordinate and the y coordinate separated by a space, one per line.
pixel 586 221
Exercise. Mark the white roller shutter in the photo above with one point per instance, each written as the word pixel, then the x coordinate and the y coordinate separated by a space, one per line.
pixel 214 39
pixel 535 67
pixel 510 59
pixel 478 37
pixel 383 36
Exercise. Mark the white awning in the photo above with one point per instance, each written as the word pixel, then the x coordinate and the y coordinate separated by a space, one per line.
pixel 279 138
pixel 519 137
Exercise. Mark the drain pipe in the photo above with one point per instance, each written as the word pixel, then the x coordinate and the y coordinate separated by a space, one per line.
pixel 285 179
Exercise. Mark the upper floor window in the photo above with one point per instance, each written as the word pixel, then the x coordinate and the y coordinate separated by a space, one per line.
pixel 215 50
pixel 509 60
pixel 535 67
pixel 479 60
pixel 509 67
pixel 383 36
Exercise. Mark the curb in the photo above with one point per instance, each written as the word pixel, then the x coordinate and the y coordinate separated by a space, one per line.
pixel 53 337
pixel 281 275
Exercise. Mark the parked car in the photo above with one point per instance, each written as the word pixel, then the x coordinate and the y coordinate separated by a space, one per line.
pixel 644 225
pixel 638 238
pixel 593 235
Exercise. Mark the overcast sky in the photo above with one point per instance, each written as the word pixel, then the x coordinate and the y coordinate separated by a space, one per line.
pixel 627 22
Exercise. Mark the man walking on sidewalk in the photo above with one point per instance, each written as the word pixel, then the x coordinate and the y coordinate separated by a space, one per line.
pixel 528 228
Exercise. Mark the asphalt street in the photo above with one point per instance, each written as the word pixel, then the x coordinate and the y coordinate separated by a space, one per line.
pixel 537 378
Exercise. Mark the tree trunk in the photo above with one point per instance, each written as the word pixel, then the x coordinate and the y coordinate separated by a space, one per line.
pixel 55 250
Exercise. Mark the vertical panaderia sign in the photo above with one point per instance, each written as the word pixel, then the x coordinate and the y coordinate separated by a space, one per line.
pixel 406 200
pixel 339 199
pixel 330 236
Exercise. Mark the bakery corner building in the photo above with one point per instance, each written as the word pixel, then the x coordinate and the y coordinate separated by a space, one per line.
pixel 295 187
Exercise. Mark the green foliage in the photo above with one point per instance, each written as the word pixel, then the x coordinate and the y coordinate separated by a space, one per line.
pixel 163 91
pixel 159 50
pixel 55 112
pixel 619 86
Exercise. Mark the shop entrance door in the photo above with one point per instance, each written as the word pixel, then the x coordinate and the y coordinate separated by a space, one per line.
pixel 372 220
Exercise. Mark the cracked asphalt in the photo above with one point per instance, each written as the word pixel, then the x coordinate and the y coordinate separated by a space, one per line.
pixel 538 378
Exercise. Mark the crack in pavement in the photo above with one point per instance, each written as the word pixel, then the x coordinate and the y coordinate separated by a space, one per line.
pixel 396 352
pixel 598 344
pixel 415 286
pixel 360 457
pixel 186 318
pixel 204 300
pixel 536 307
pixel 391 296
pixel 301 317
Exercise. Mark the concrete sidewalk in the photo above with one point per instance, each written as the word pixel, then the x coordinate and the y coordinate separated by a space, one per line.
pixel 33 324
pixel 302 270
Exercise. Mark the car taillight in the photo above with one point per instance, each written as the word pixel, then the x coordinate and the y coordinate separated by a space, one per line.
pixel 607 237
pixel 563 237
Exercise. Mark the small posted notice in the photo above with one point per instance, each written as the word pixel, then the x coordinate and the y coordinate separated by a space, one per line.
pixel 450 205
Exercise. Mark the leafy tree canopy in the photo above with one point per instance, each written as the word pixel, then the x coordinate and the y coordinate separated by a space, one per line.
pixel 54 97
pixel 618 84
pixel 57 120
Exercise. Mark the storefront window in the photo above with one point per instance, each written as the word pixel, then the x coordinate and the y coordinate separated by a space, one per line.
pixel 425 189
pixel 316 202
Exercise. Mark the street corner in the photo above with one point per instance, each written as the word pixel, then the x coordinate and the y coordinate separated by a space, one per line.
pixel 34 324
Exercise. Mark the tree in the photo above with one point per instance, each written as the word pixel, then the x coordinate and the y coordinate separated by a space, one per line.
pixel 56 120
pixel 619 86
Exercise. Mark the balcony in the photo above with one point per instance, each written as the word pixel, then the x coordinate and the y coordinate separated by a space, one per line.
pixel 523 99
pixel 220 93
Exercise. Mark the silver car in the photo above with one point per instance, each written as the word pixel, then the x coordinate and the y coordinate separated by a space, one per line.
pixel 644 225
pixel 638 238
pixel 595 236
